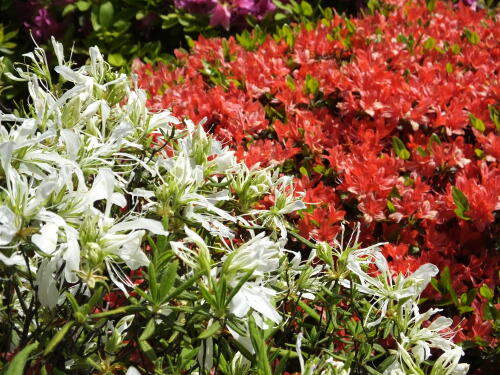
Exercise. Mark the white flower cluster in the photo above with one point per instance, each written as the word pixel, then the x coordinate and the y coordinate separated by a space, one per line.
pixel 397 299
pixel 73 160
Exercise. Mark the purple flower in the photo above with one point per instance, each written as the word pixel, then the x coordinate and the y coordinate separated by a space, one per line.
pixel 226 12
pixel 43 25
pixel 196 6
pixel 220 15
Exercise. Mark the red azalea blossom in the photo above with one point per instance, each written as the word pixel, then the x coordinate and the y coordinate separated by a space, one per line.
pixel 375 115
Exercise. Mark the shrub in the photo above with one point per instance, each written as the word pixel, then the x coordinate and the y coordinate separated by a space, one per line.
pixel 391 119
pixel 130 241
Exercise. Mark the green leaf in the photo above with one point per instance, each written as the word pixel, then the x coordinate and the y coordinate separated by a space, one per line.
pixel 58 337
pixel 465 309
pixel 430 43
pixel 310 311
pixel 400 148
pixel 168 279
pixel 258 343
pixel 486 292
pixel 290 82
pixel 471 36
pixel 106 12
pixel 147 349
pixel 448 284
pixel 210 331
pixel 449 68
pixel 431 5
pixel 16 367
pixel 479 153
pixel 149 330
pixel 170 20
pixel 116 59
pixel 83 5
pixel 70 8
pixel 186 284
pixel 455 49
pixel 119 311
pixel 391 207
pixel 312 85
pixel 461 202
pixel 495 116
pixel 477 123
pixel 306 8
pixel 153 283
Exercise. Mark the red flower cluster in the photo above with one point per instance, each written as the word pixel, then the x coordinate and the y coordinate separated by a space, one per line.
pixel 390 120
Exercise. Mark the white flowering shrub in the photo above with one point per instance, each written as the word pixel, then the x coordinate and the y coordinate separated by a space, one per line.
pixel 132 242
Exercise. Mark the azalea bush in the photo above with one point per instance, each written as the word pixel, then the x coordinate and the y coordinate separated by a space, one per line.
pixel 391 120
pixel 132 242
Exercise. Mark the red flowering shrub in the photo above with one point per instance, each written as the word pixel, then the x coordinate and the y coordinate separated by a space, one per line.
pixel 392 120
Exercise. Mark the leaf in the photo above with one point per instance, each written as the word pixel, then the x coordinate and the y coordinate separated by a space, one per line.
pixel 82 5
pixel 148 350
pixel 210 331
pixel 290 82
pixel 262 361
pixel 431 5
pixel 169 21
pixel 448 284
pixel 306 8
pixel 400 148
pixel 486 292
pixel 116 59
pixel 430 43
pixel 455 49
pixel 16 367
pixel 494 116
pixel 58 337
pixel 106 12
pixel 312 85
pixel 149 330
pixel 471 36
pixel 449 68
pixel 168 279
pixel 184 286
pixel 461 202
pixel 310 311
pixel 477 123
pixel 119 311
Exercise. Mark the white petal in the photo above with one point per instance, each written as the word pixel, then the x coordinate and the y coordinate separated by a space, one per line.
pixel 260 302
pixel 440 323
pixel 128 248
pixel 239 305
pixel 8 229
pixel 47 287
pixel 14 260
pixel 153 226
pixel 47 239
pixel 132 371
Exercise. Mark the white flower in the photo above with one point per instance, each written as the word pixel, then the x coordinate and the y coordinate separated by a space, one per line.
pixel 382 287
pixel 448 363
pixel 257 297
pixel 260 254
